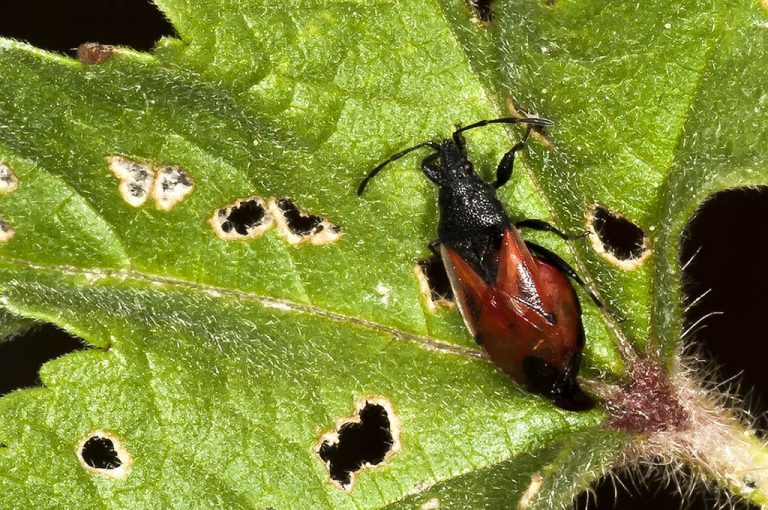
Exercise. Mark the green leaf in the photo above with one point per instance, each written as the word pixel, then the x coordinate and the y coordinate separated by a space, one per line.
pixel 219 365
pixel 11 325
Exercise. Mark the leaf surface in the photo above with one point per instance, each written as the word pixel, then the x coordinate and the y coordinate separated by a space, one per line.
pixel 220 364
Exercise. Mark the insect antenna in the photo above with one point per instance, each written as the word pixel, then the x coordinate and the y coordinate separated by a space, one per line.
pixel 372 174
pixel 534 121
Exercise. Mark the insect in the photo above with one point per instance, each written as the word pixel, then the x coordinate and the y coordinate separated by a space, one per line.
pixel 515 296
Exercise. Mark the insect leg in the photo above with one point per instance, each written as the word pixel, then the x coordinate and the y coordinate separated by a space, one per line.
pixel 504 170
pixel 548 227
pixel 434 247
pixel 555 260
pixel 430 169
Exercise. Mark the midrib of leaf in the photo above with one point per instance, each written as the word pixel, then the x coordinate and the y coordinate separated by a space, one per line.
pixel 148 279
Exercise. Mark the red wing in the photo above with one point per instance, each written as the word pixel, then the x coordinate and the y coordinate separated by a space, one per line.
pixel 561 299
pixel 508 328
pixel 502 318
pixel 510 333
pixel 469 289
pixel 509 338
pixel 517 275
pixel 473 295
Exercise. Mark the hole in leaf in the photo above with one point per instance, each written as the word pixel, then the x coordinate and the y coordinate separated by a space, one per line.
pixel 22 356
pixel 101 452
pixel 8 180
pixel 135 177
pixel 168 185
pixel 724 280
pixel 172 184
pixel 483 10
pixel 616 238
pixel 63 26
pixel 643 491
pixel 246 218
pixel 301 224
pixel 365 440
pixel 434 283
pixel 298 226
pixel 6 231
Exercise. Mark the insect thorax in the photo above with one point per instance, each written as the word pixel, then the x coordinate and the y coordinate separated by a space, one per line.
pixel 467 209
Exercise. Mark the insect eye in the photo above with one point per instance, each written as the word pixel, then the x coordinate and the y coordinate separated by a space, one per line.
pixel 467 167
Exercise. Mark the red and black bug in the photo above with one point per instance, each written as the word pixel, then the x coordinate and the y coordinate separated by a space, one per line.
pixel 515 296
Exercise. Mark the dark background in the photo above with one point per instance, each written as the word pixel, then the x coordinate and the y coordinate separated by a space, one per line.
pixel 729 234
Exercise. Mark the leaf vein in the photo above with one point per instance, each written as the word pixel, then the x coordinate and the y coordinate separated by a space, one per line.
pixel 427 343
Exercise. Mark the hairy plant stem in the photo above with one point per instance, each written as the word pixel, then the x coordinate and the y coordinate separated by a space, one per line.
pixel 680 422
